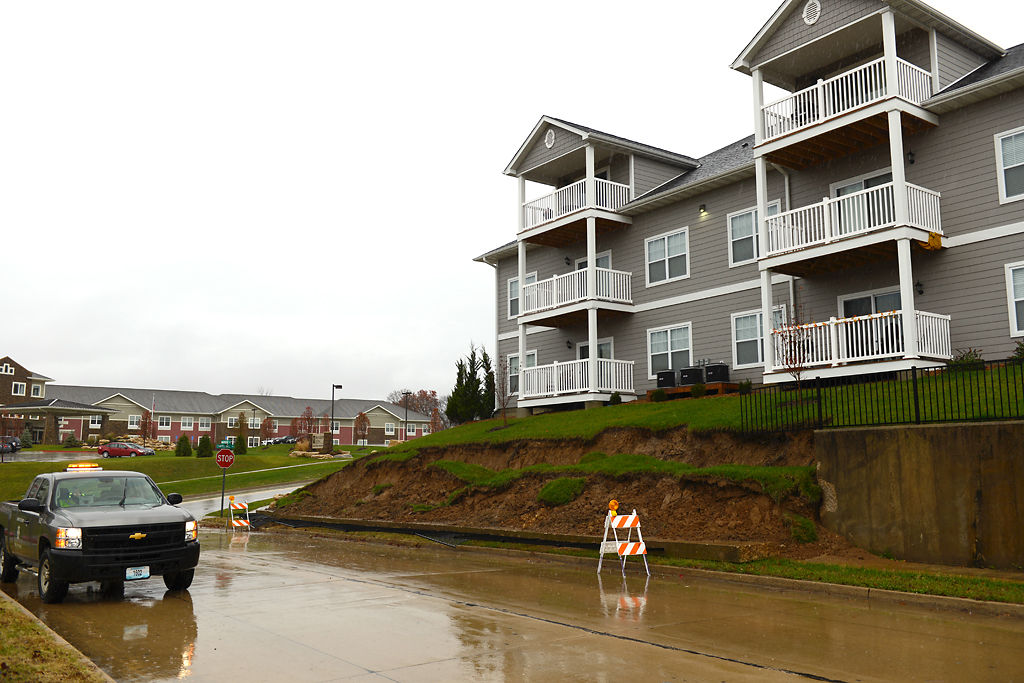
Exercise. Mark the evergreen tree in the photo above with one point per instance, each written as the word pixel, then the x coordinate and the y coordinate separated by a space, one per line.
pixel 485 403
pixel 184 447
pixel 26 438
pixel 241 441
pixel 473 395
pixel 205 448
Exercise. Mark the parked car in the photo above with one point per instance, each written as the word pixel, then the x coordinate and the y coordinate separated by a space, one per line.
pixel 286 439
pixel 121 449
pixel 13 442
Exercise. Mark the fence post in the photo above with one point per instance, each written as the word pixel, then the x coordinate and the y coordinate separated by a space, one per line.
pixel 821 421
pixel 917 404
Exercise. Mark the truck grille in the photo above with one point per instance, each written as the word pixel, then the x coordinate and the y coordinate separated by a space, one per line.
pixel 118 540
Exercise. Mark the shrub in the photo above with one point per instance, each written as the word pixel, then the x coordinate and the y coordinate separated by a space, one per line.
pixel 71 442
pixel 205 448
pixel 967 359
pixel 184 447
pixel 302 444
pixel 698 390
pixel 562 490
pixel 658 395
pixel 615 399
pixel 239 446
pixel 801 528
pixel 746 386
pixel 26 438
pixel 1018 351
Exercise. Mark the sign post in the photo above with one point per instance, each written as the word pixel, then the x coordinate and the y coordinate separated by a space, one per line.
pixel 225 458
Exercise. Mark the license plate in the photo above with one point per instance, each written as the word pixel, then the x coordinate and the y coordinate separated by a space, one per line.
pixel 132 573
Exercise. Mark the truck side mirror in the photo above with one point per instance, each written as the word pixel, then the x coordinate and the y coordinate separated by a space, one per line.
pixel 174 498
pixel 30 505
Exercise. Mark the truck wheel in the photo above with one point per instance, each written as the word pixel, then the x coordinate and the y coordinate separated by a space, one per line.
pixel 8 563
pixel 50 590
pixel 112 589
pixel 179 581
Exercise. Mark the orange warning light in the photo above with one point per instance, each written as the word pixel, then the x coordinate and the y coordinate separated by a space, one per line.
pixel 613 505
pixel 231 498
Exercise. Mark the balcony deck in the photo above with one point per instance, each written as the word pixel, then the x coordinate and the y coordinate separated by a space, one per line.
pixel 572 379
pixel 560 291
pixel 556 219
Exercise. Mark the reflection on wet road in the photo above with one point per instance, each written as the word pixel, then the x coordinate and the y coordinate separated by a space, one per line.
pixel 291 607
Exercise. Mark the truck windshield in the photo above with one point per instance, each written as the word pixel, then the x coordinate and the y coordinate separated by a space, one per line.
pixel 99 491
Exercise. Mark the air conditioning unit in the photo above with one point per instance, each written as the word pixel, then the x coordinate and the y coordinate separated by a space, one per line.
pixel 666 379
pixel 717 372
pixel 691 376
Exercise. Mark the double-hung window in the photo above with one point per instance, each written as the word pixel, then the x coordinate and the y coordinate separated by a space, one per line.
pixel 1015 297
pixel 389 428
pixel 744 238
pixel 513 369
pixel 410 429
pixel 37 391
pixel 134 421
pixel 232 422
pixel 204 424
pixel 17 388
pixel 668 257
pixel 164 422
pixel 668 348
pixel 95 421
pixel 1010 165
pixel 186 423
pixel 748 335
pixel 515 294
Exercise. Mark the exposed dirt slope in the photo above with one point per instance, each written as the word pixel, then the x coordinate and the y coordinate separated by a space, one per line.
pixel 670 509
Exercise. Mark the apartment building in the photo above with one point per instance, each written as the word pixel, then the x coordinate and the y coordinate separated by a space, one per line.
pixel 874 221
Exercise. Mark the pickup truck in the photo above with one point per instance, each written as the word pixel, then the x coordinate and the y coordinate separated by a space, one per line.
pixel 87 524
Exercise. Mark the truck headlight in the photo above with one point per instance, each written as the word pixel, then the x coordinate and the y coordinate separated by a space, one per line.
pixel 69 538
pixel 191 532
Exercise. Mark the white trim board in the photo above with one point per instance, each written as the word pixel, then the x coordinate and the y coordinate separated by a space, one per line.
pixel 983 235
pixel 514 334
pixel 707 294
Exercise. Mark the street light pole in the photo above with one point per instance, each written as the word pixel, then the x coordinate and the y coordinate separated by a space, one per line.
pixel 331 429
pixel 405 435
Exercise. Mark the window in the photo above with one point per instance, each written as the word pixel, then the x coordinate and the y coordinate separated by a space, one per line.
pixel 748 336
pixel 513 369
pixel 744 240
pixel 1015 297
pixel 164 438
pixel 865 211
pixel 95 421
pixel 410 429
pixel 603 260
pixel 186 423
pixel 134 421
pixel 869 302
pixel 360 442
pixel 426 429
pixel 389 428
pixel 273 423
pixel 513 293
pixel 667 257
pixel 253 441
pixel 387 442
pixel 17 388
pixel 6 369
pixel 231 440
pixel 1010 165
pixel 336 426
pixel 668 348
pixel 37 391
pixel 164 422
pixel 605 349
pixel 232 422
pixel 204 424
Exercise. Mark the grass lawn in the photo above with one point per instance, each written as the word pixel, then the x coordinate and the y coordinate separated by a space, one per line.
pixel 30 654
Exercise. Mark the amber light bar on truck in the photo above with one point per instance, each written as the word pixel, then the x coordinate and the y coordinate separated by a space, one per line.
pixel 83 467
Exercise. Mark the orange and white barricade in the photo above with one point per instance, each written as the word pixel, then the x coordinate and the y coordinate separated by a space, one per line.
pixel 243 509
pixel 623 547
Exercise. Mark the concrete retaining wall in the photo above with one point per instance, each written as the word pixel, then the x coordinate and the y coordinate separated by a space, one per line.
pixel 947 494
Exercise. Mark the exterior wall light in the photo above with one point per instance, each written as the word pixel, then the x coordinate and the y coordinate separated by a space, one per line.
pixel 919 287
pixel 703 210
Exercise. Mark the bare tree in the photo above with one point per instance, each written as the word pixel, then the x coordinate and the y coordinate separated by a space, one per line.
pixel 361 427
pixel 146 425
pixel 502 390
pixel 264 391
pixel 794 349
pixel 266 429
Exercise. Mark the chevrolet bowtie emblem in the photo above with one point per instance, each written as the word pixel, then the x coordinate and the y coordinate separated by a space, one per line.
pixel 137 536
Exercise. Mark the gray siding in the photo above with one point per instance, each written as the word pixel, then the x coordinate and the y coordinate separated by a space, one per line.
pixel 915 47
pixel 794 32
pixel 565 142
pixel 955 60
pixel 649 174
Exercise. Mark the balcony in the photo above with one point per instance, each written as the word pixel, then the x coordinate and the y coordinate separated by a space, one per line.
pixel 859 213
pixel 841 94
pixel 573 377
pixel 572 198
pixel 613 286
pixel 874 337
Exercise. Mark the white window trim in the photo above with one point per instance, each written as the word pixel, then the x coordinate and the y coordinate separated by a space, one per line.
pixel 7 369
pixel 230 440
pixel 894 289
pixel 137 419
pixel 757 237
pixel 164 438
pixel 95 421
pixel 608 253
pixel 389 428
pixel 765 332
pixel 190 423
pixel 160 419
pixel 604 340
pixel 253 442
pixel 508 372
pixel 361 442
pixel 410 429
pixel 387 442
pixel 508 298
pixel 856 179
pixel 1010 301
pixel 14 388
pixel 688 324
pixel 665 235
pixel 1000 174
pixel 209 424
pixel 273 423
pixel 36 391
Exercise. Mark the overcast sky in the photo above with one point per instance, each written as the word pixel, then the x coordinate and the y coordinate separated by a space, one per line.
pixel 224 196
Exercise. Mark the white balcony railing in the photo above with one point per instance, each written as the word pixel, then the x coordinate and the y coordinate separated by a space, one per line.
pixel 573 377
pixel 861 338
pixel 561 290
pixel 572 198
pixel 852 214
pixel 843 93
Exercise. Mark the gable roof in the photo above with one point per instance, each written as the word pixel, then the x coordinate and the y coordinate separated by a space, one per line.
pixel 592 133
pixel 31 375
pixel 999 75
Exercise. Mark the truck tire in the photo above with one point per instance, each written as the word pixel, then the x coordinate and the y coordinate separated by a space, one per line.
pixel 8 564
pixel 50 590
pixel 179 581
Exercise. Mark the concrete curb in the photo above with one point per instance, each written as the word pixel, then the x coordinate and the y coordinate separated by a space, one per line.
pixel 58 639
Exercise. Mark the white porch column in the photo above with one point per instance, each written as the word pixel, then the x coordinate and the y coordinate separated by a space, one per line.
pixel 632 175
pixel 758 103
pixel 907 299
pixel 591 257
pixel 591 183
pixel 766 319
pixel 520 210
pixel 522 303
pixel 592 348
pixel 933 49
pixel 889 50
pixel 761 188
pixel 899 171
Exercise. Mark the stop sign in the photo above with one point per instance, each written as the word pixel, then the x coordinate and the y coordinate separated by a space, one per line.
pixel 225 457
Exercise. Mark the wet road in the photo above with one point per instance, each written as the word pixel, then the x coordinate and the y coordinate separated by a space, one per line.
pixel 49 456
pixel 290 607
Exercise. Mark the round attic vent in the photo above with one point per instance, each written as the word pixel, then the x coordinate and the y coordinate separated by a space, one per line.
pixel 812 10
pixel 549 138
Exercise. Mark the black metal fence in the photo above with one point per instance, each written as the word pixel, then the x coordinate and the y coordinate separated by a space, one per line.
pixel 992 390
